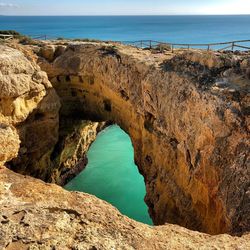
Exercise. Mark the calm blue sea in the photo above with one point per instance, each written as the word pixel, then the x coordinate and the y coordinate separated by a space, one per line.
pixel 176 29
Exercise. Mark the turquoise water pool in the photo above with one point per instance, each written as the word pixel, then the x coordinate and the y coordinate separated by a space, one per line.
pixel 112 175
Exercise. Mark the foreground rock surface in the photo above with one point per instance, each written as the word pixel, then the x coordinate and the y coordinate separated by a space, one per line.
pixel 35 215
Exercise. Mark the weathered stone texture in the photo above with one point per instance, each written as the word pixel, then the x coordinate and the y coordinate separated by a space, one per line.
pixel 35 215
pixel 29 112
pixel 187 115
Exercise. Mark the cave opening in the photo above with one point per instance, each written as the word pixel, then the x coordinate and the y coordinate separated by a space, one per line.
pixel 112 175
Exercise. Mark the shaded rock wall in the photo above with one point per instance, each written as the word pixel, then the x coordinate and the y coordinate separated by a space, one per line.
pixel 69 156
pixel 187 116
pixel 33 141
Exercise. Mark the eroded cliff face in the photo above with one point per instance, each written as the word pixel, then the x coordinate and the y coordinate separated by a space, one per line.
pixel 187 116
pixel 28 113
pixel 33 141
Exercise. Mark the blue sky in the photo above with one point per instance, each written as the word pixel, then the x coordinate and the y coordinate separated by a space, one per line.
pixel 122 7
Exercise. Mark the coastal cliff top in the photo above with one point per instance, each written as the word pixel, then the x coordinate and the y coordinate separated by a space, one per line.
pixel 222 71
pixel 221 74
pixel 154 56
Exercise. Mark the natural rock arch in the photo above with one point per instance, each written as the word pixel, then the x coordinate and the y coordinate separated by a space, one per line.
pixel 29 119
pixel 186 113
pixel 186 138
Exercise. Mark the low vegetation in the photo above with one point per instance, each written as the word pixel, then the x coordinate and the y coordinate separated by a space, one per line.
pixel 23 39
pixel 10 32
pixel 79 39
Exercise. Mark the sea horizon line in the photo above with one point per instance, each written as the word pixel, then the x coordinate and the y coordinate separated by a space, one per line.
pixel 124 15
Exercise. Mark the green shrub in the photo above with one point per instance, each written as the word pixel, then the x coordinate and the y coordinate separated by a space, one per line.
pixel 25 40
pixel 85 40
pixel 163 46
pixel 111 49
pixel 10 32
pixel 22 38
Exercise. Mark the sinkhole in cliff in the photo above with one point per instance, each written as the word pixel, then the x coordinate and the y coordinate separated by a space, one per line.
pixel 112 175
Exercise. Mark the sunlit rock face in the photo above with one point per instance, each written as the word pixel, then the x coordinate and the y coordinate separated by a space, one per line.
pixel 32 141
pixel 29 113
pixel 187 116
pixel 37 215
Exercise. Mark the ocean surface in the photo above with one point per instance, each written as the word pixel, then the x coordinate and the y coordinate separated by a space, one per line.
pixel 112 175
pixel 175 29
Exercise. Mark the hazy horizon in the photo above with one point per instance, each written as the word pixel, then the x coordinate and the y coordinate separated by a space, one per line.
pixel 134 15
pixel 123 8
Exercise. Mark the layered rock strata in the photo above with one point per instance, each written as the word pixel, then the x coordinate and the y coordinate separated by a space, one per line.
pixel 187 115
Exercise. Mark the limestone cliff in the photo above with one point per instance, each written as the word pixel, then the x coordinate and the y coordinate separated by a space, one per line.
pixel 28 113
pixel 29 117
pixel 187 115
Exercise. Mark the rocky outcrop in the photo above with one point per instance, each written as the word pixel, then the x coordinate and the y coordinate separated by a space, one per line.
pixel 23 86
pixel 33 142
pixel 28 113
pixel 187 115
pixel 9 143
pixel 35 215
